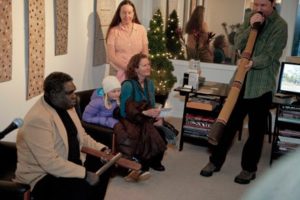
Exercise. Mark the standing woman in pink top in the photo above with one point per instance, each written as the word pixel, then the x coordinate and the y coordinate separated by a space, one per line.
pixel 125 38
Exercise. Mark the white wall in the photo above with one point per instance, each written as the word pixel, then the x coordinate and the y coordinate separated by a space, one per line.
pixel 289 13
pixel 77 62
pixel 217 12
pixel 212 72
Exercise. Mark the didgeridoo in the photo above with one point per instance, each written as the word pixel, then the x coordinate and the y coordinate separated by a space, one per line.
pixel 217 128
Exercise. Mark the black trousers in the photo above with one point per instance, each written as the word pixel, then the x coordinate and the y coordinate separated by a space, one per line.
pixel 59 188
pixel 257 110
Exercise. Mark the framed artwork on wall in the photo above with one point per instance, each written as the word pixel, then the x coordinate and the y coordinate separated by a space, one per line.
pixel 5 40
pixel 61 27
pixel 104 11
pixel 36 47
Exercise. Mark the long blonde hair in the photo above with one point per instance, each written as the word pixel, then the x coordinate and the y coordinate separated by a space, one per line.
pixel 107 102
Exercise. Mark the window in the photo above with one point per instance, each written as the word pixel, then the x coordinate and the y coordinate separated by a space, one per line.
pixel 296 42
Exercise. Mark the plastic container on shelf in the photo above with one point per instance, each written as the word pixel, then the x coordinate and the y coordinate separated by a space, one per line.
pixel 195 66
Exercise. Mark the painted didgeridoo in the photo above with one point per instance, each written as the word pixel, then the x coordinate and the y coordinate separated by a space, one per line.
pixel 217 128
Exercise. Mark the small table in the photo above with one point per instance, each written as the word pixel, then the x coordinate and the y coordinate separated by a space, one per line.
pixel 209 92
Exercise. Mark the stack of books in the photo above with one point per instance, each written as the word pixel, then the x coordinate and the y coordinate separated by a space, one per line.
pixel 290 112
pixel 198 102
pixel 197 126
pixel 289 133
pixel 287 146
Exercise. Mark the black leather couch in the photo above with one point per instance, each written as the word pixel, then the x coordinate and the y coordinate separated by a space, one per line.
pixel 10 190
pixel 100 133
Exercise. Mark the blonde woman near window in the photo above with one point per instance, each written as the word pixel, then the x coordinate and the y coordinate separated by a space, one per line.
pixel 198 37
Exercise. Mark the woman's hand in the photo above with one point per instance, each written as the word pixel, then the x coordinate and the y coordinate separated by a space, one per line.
pixel 159 122
pixel 152 112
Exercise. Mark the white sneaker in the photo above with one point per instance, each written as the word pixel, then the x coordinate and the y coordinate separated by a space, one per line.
pixel 144 175
pixel 135 176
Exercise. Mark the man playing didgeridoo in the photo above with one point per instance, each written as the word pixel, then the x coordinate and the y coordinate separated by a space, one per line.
pixel 256 93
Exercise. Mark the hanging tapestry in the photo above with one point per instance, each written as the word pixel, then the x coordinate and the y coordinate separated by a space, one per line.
pixel 61 27
pixel 103 16
pixel 5 40
pixel 36 48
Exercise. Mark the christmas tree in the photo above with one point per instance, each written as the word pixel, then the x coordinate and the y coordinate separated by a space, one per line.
pixel 174 37
pixel 162 67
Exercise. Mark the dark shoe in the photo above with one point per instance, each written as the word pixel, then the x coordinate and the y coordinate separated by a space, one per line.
pixel 244 177
pixel 209 169
pixel 158 167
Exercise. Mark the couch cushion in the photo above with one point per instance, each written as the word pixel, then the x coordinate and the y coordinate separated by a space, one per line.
pixel 83 99
pixel 8 156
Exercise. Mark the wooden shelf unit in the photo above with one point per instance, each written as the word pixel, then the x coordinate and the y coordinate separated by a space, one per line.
pixel 286 136
pixel 201 108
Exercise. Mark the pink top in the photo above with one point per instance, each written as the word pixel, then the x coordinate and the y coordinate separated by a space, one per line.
pixel 122 46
